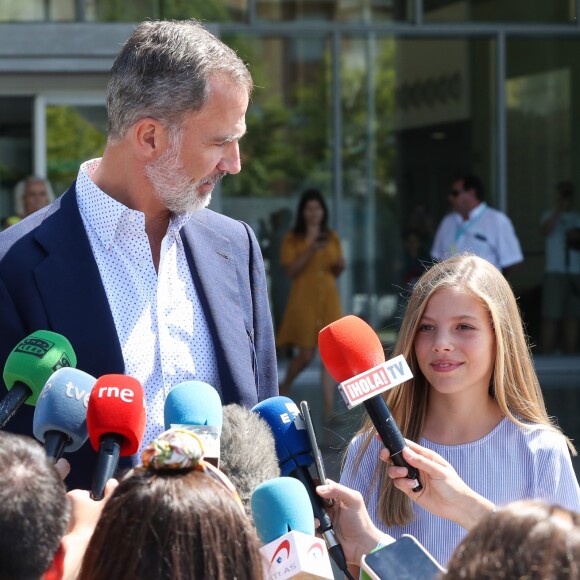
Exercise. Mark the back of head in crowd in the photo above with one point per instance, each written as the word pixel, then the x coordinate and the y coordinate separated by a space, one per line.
pixel 525 539
pixel 34 510
pixel 174 517
pixel 247 451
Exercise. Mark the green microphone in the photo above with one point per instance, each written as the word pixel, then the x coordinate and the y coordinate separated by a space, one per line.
pixel 29 366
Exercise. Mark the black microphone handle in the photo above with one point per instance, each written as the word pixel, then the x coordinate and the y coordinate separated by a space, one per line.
pixel 303 475
pixel 325 528
pixel 54 444
pixel 390 435
pixel 107 461
pixel 13 400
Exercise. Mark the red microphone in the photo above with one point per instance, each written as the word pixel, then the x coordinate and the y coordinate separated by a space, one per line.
pixel 354 356
pixel 116 424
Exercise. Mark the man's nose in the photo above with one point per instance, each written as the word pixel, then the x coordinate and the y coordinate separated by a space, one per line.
pixel 230 161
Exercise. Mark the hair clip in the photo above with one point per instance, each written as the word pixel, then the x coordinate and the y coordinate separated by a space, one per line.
pixel 174 449
pixel 180 448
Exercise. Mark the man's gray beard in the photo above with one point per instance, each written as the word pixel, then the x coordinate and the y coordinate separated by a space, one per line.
pixel 173 186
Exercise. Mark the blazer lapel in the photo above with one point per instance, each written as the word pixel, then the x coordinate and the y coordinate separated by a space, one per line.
pixel 213 265
pixel 73 293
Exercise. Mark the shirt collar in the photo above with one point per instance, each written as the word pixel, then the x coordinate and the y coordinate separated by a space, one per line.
pixel 477 210
pixel 105 214
pixel 473 214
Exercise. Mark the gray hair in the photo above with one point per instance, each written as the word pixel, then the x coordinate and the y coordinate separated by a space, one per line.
pixel 163 72
pixel 20 189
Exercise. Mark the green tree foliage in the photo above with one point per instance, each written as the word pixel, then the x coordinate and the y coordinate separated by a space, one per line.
pixel 70 140
pixel 137 10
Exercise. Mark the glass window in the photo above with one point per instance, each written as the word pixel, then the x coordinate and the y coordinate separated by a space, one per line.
pixel 137 10
pixel 15 147
pixel 334 10
pixel 35 10
pixel 415 111
pixel 542 140
pixel 287 147
pixel 74 134
pixel 521 11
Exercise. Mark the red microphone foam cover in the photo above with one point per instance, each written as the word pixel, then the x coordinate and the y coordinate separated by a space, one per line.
pixel 117 405
pixel 348 347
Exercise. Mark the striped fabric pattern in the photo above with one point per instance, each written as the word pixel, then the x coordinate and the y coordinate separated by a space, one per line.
pixel 510 463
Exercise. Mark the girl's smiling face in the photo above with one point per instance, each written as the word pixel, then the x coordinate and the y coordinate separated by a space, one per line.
pixel 455 343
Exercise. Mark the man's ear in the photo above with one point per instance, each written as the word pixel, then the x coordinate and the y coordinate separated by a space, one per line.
pixel 56 569
pixel 150 138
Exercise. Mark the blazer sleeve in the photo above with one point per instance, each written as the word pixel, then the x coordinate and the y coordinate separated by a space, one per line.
pixel 12 329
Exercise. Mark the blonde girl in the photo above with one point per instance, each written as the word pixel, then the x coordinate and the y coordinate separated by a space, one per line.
pixel 474 400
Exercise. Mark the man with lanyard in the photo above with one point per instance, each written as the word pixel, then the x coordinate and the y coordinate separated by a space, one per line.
pixel 474 227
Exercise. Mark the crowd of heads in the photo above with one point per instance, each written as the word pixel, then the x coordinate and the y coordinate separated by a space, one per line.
pixel 526 539
pixel 34 511
pixel 181 519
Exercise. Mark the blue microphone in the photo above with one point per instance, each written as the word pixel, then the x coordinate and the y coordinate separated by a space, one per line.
pixel 279 506
pixel 60 416
pixel 284 520
pixel 295 457
pixel 197 406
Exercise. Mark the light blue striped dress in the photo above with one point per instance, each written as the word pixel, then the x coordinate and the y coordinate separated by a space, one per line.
pixel 510 463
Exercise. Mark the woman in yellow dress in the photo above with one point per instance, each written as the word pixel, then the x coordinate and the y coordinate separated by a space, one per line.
pixel 311 255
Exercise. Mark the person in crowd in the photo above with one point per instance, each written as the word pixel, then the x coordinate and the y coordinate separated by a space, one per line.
pixel 43 530
pixel 311 254
pixel 247 451
pixel 34 511
pixel 524 539
pixel 561 285
pixel 175 516
pixel 473 226
pixel 414 262
pixel 129 264
pixel 32 194
pixel 474 399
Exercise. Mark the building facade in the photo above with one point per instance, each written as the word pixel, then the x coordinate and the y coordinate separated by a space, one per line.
pixel 379 103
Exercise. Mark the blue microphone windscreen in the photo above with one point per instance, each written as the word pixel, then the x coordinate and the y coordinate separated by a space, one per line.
pixel 281 505
pixel 193 403
pixel 289 430
pixel 62 406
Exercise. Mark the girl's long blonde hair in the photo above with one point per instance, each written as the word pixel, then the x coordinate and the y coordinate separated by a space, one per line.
pixel 513 385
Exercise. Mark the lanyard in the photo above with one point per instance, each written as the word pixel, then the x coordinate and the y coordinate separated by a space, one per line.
pixel 463 228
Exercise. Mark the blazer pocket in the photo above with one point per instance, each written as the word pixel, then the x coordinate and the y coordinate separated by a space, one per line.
pixel 250 334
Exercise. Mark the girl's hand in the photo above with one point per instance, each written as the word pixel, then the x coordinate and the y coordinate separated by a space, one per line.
pixel 444 493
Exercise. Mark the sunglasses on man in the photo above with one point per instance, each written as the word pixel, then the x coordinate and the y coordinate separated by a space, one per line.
pixel 456 192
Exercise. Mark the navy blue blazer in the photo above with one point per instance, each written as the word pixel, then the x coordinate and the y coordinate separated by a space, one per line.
pixel 49 280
